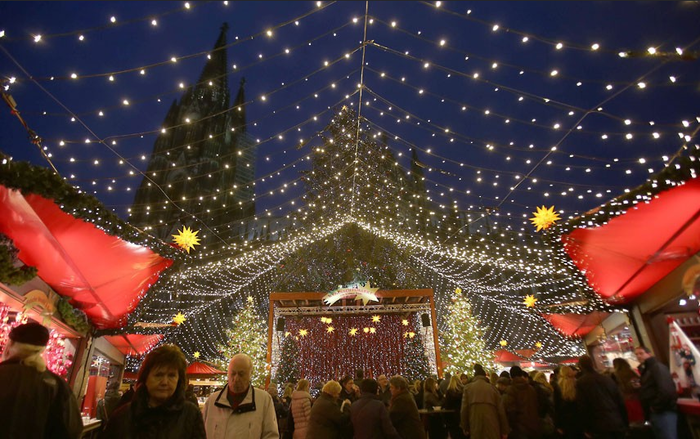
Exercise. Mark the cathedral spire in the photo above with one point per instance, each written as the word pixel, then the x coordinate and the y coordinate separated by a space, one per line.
pixel 215 69
pixel 239 108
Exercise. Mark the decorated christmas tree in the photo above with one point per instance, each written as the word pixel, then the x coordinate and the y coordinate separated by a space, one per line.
pixel 288 370
pixel 415 363
pixel 464 339
pixel 248 335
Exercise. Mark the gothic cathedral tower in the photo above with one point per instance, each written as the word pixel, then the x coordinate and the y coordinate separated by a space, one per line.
pixel 202 167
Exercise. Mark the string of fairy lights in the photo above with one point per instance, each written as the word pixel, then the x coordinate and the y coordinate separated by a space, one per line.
pixel 437 121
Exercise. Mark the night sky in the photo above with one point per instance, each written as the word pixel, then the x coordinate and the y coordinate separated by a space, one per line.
pixel 477 136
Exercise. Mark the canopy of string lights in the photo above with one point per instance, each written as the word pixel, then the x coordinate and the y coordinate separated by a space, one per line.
pixel 403 143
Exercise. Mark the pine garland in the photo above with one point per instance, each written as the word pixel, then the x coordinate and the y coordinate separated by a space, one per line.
pixel 9 274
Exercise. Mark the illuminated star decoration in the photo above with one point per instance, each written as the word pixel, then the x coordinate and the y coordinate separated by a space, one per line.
pixel 404 322
pixel 250 299
pixel 376 319
pixel 366 330
pixel 530 301
pixel 179 319
pixel 372 330
pixel 303 332
pixel 186 238
pixel 538 345
pixel 544 218
pixel 367 294
pixel 196 355
pixel 411 334
pixel 353 331
pixel 458 290
pixel 330 329
pixel 504 343
pixel 287 334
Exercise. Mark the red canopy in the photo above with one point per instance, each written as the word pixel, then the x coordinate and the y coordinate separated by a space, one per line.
pixel 576 325
pixel 103 275
pixel 625 257
pixel 134 344
pixel 198 368
pixel 504 356
pixel 525 353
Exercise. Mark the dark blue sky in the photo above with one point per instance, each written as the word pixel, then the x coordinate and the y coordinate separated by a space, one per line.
pixel 473 133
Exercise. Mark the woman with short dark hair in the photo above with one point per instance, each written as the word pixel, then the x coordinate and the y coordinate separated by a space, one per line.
pixel 159 409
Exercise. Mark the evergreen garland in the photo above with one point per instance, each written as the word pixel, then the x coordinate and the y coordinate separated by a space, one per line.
pixel 74 318
pixel 9 274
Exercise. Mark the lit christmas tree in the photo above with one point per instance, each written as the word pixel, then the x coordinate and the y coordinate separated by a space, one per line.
pixel 288 370
pixel 464 339
pixel 415 364
pixel 248 335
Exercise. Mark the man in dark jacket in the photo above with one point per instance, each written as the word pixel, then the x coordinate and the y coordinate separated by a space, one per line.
pixel 520 404
pixel 403 411
pixel 658 394
pixel 369 416
pixel 35 403
pixel 600 403
pixel 384 391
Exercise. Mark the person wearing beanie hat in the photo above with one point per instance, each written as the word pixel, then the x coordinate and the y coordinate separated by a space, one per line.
pixel 35 402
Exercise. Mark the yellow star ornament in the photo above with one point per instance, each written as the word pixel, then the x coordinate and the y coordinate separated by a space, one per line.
pixel 179 319
pixel 196 355
pixel 530 301
pixel 538 345
pixel 458 291
pixel 303 332
pixel 353 331
pixel 404 322
pixel 330 329
pixel 504 343
pixel 372 330
pixel 376 319
pixel 186 238
pixel 544 218
pixel 411 334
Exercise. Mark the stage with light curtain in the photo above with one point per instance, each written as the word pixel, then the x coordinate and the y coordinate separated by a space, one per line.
pixel 393 335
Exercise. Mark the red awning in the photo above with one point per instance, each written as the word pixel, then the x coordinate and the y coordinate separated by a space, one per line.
pixel 103 275
pixel 570 361
pixel 625 257
pixel 133 344
pixel 198 368
pixel 576 325
pixel 525 353
pixel 504 356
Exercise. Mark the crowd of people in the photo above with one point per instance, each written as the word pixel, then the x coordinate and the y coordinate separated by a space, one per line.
pixel 572 403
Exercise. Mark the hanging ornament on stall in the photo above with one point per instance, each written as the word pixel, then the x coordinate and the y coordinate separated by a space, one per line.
pixel 544 218
pixel 186 238
pixel 303 332
pixel 353 331
pixel 530 301
pixel 196 355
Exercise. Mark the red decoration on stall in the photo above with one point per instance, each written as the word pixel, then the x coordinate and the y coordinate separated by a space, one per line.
pixel 102 275
pixel 625 257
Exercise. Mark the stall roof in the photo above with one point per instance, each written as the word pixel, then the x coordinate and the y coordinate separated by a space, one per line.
pixel 102 275
pixel 576 325
pixel 504 356
pixel 199 368
pixel 133 344
pixel 626 256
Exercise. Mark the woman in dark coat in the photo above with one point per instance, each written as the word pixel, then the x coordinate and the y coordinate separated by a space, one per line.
pixel 403 410
pixel 432 399
pixel 328 421
pixel 159 409
pixel 453 401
